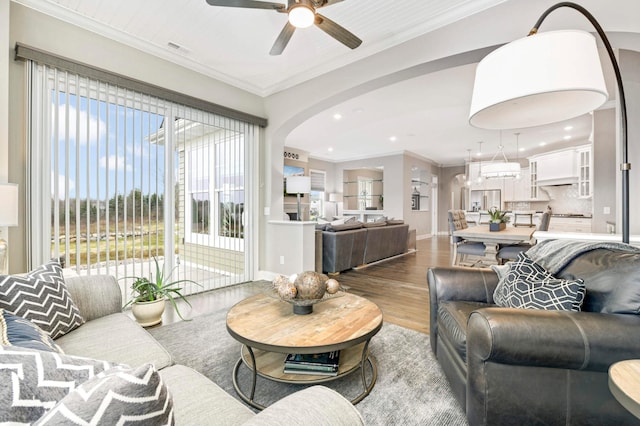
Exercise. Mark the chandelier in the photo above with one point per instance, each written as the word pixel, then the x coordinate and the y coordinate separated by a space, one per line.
pixel 501 169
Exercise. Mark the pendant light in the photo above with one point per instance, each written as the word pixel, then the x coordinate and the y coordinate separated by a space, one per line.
pixel 479 178
pixel 501 169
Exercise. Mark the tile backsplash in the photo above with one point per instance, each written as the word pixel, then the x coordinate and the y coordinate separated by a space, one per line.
pixel 563 199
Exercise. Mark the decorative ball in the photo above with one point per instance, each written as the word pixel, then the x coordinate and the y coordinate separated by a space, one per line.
pixel 279 281
pixel 310 285
pixel 332 286
pixel 287 291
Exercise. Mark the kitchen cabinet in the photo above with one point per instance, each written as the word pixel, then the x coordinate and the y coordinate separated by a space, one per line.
pixel 533 179
pixel 585 172
pixel 518 189
pixel 565 166
pixel 569 224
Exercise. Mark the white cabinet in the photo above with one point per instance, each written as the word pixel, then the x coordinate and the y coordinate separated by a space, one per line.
pixel 566 166
pixel 557 167
pixel 585 172
pixel 533 179
pixel 569 224
pixel 518 189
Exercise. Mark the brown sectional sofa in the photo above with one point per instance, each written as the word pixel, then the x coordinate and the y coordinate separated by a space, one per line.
pixel 348 246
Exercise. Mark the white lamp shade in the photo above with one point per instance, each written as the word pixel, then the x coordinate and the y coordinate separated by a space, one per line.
pixel 8 204
pixel 335 197
pixel 497 170
pixel 298 184
pixel 540 79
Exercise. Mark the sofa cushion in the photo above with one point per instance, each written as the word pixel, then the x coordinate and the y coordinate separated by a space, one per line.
pixel 18 331
pixel 344 226
pixel 42 297
pixel 120 395
pixel 374 224
pixel 195 397
pixel 34 381
pixel 112 338
pixel 528 285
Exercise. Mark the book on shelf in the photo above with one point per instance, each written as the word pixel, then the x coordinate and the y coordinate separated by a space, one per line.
pixel 289 370
pixel 319 367
pixel 327 359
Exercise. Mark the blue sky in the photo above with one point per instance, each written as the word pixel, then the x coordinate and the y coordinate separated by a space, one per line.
pixel 104 138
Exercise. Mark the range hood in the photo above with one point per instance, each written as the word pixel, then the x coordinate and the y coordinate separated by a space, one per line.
pixel 558 181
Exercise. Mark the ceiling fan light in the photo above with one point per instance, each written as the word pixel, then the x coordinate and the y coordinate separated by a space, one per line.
pixel 301 16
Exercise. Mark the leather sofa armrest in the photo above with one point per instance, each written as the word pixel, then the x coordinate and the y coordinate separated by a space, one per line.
pixel 95 295
pixel 559 339
pixel 457 283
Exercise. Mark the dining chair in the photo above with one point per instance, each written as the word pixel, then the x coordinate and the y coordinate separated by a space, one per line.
pixel 510 251
pixel 462 247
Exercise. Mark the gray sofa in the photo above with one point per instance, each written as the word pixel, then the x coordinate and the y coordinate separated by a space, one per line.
pixel 359 244
pixel 511 366
pixel 111 335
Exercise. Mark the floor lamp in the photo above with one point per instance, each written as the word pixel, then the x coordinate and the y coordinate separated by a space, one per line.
pixel 8 217
pixel 298 185
pixel 545 78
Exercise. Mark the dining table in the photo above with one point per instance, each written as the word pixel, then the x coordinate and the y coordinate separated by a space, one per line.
pixel 493 239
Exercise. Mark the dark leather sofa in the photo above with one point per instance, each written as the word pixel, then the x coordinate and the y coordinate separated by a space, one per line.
pixel 511 366
pixel 344 249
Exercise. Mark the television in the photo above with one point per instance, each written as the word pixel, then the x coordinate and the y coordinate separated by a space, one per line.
pixel 291 171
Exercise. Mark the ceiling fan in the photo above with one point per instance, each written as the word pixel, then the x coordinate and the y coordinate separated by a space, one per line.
pixel 302 14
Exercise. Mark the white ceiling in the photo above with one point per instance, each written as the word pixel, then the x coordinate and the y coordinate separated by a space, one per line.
pixel 427 114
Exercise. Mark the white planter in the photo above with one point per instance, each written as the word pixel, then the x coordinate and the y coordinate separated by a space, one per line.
pixel 148 313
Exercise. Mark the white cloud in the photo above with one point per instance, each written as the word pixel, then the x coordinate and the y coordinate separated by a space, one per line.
pixel 113 162
pixel 61 180
pixel 90 122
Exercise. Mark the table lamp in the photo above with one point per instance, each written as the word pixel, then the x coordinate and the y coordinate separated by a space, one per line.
pixel 546 78
pixel 298 185
pixel 8 217
pixel 335 198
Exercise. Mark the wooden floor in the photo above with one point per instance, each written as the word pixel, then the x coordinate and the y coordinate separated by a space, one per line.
pixel 398 286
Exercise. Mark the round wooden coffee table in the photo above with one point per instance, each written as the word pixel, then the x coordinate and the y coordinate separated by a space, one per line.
pixel 268 330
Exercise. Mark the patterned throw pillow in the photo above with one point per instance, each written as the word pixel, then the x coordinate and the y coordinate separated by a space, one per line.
pixel 117 396
pixel 42 297
pixel 34 381
pixel 17 331
pixel 528 285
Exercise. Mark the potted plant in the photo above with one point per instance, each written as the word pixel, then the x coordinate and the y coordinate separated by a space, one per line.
pixel 149 296
pixel 498 220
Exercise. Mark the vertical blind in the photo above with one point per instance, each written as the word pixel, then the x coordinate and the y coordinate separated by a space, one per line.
pixel 120 178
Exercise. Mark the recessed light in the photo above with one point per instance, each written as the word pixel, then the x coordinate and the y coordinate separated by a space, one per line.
pixel 337 116
pixel 567 137
pixel 542 143
pixel 522 149
pixel 358 110
pixel 568 128
pixel 330 149
pixel 393 138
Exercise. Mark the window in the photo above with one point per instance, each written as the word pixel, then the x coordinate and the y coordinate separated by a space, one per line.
pixel 131 177
pixel 317 195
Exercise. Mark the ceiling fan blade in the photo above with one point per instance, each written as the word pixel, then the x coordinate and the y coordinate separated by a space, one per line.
pixel 336 31
pixel 325 3
pixel 249 4
pixel 283 39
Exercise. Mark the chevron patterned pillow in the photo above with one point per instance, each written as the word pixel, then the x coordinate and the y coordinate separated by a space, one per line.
pixel 119 395
pixel 18 331
pixel 42 297
pixel 34 381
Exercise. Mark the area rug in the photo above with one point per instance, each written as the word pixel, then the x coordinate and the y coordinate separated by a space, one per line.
pixel 411 388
